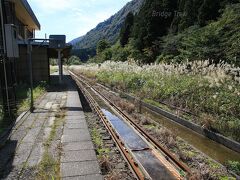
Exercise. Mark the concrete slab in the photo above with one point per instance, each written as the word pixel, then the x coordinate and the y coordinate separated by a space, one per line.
pixel 50 121
pixel 79 168
pixel 22 154
pixel 78 156
pixel 77 125
pixel 36 155
pixel 75 113
pixel 75 135
pixel 87 177
pixel 73 119
pixel 74 146
pixel 34 162
pixel 27 123
pixel 78 160
pixel 48 105
pixel 43 103
pixel 22 147
pixel 39 122
pixel 55 107
pixel 72 101
pixel 46 133
pixel 31 135
pixel 18 135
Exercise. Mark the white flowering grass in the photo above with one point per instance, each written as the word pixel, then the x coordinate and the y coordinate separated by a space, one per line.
pixel 212 92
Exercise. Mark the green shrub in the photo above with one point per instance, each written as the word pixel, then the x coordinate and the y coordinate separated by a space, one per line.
pixel 73 60
pixel 234 166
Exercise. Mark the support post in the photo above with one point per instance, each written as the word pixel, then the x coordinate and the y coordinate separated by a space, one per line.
pixel 31 74
pixel 60 66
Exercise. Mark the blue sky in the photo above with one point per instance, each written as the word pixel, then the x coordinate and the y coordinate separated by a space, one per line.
pixel 73 18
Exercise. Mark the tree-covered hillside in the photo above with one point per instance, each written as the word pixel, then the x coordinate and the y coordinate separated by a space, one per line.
pixel 108 29
pixel 207 28
pixel 179 30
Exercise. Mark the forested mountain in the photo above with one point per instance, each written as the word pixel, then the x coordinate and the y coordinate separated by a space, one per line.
pixel 75 41
pixel 179 30
pixel 108 29
pixel 160 23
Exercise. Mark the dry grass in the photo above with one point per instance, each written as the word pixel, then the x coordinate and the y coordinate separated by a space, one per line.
pixel 49 168
pixel 167 137
pixel 204 89
pixel 105 164
pixel 126 106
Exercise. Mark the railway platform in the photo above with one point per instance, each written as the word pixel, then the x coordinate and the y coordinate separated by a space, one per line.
pixel 52 141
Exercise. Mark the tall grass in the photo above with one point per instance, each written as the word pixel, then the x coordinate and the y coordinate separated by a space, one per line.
pixel 23 96
pixel 211 92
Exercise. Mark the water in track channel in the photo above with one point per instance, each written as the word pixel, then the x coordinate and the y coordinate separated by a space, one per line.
pixel 214 150
pixel 139 148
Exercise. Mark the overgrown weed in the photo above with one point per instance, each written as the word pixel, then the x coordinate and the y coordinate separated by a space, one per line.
pixel 209 91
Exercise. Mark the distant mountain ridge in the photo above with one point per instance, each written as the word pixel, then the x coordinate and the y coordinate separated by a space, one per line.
pixel 75 41
pixel 108 29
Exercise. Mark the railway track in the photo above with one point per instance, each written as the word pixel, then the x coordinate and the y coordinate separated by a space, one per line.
pixel 147 158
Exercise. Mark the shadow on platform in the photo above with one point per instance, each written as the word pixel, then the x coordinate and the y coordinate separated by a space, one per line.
pixel 6 158
pixel 67 84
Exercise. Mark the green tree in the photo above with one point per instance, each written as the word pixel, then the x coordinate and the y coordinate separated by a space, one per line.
pixel 209 10
pixel 153 21
pixel 102 45
pixel 188 15
pixel 126 29
pixel 74 60
pixel 107 54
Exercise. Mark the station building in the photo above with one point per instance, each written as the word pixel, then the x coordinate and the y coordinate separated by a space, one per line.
pixel 18 23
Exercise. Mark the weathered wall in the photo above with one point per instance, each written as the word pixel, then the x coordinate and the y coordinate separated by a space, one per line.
pixel 40 64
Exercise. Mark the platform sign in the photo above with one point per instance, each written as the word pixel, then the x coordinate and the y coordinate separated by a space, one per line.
pixel 57 41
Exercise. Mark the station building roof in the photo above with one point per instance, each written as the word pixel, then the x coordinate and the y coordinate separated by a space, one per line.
pixel 25 14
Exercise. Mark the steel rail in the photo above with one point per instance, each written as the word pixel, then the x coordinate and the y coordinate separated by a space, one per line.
pixel 170 106
pixel 133 164
pixel 168 155
pixel 150 138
